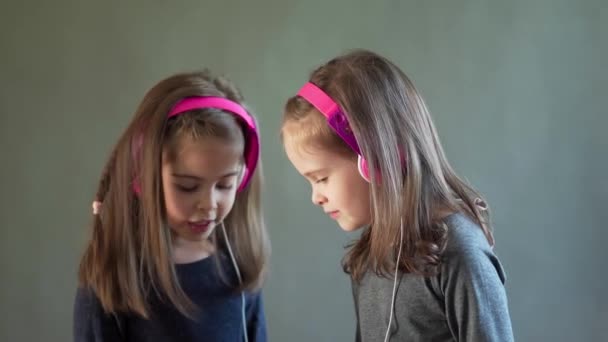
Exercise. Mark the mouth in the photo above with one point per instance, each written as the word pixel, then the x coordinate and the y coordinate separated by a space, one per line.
pixel 333 214
pixel 201 226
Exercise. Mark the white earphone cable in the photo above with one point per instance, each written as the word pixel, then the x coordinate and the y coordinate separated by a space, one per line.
pixel 390 320
pixel 238 275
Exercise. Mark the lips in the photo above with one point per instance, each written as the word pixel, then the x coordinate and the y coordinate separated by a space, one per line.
pixel 201 226
pixel 333 214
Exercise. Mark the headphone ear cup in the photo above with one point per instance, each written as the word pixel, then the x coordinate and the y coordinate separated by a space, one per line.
pixel 363 168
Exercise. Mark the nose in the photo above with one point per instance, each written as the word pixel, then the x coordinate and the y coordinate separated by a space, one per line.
pixel 208 200
pixel 318 198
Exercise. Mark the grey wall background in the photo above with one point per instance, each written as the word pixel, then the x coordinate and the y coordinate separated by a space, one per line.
pixel 517 88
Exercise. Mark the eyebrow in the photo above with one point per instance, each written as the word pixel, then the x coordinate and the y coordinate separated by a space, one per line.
pixel 182 175
pixel 311 174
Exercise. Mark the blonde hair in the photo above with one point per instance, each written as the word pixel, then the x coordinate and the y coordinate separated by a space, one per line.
pixel 397 136
pixel 128 258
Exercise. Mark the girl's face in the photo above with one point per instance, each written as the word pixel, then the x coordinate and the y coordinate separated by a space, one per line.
pixel 336 184
pixel 199 185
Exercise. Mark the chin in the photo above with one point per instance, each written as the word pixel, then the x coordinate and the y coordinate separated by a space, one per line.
pixel 208 233
pixel 351 227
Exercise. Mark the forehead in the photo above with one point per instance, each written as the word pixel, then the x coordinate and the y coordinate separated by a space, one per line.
pixel 203 155
pixel 307 158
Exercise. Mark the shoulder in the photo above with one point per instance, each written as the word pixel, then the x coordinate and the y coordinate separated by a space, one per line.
pixel 464 235
pixel 86 301
pixel 472 283
pixel 468 253
pixel 254 300
pixel 90 321
pixel 87 306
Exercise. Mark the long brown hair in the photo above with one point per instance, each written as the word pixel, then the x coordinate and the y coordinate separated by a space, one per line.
pixel 411 179
pixel 129 254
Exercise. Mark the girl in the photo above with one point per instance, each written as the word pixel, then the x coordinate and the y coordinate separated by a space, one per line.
pixel 156 267
pixel 423 268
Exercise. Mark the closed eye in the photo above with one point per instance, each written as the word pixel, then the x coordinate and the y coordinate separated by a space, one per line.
pixel 188 189
pixel 225 186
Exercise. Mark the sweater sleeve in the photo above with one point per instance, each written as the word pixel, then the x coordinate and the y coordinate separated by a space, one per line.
pixel 475 298
pixel 90 322
pixel 256 318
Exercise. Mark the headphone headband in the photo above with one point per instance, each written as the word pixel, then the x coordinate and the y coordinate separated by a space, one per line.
pixel 252 140
pixel 336 118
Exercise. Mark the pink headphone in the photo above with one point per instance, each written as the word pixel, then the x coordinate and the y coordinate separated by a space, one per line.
pixel 250 131
pixel 336 119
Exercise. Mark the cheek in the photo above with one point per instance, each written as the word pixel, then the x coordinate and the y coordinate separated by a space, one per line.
pixel 356 194
pixel 226 202
pixel 178 205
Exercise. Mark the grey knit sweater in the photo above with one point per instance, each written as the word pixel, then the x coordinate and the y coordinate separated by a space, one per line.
pixel 465 301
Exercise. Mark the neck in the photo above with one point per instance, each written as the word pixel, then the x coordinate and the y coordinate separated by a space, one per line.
pixel 188 251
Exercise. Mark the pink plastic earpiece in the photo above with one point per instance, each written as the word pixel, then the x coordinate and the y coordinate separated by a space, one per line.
pixel 363 168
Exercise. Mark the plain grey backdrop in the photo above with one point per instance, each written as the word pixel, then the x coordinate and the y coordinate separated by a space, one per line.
pixel 517 88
